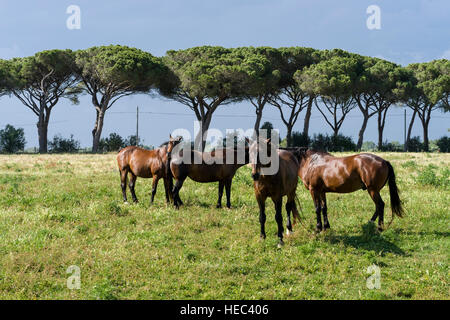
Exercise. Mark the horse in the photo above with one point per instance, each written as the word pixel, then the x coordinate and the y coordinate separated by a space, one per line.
pixel 146 164
pixel 213 167
pixel 322 172
pixel 282 183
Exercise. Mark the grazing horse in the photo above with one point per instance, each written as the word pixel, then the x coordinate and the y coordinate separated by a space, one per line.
pixel 214 167
pixel 145 164
pixel 321 173
pixel 275 186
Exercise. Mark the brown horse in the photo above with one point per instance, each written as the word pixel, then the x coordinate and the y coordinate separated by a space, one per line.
pixel 275 186
pixel 321 173
pixel 208 170
pixel 145 164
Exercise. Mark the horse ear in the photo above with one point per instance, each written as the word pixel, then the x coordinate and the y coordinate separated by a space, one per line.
pixel 170 136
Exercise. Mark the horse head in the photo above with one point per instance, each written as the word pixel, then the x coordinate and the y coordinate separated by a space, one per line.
pixel 257 147
pixel 173 142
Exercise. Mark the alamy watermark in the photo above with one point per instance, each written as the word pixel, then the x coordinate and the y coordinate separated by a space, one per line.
pixel 73 22
pixel 373 22
pixel 74 280
pixel 242 146
pixel 374 280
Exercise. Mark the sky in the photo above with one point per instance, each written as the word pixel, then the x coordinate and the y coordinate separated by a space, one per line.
pixel 410 31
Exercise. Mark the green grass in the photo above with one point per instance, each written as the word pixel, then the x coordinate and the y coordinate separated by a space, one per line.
pixel 63 210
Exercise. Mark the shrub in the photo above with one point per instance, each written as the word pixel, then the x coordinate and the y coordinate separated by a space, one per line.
pixel 112 143
pixel 368 146
pixel 60 144
pixel 332 143
pixel 428 176
pixel 443 144
pixel 12 139
pixel 300 140
pixel 393 146
pixel 415 145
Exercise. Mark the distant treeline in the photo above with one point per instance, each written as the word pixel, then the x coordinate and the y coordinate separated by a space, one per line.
pixel 12 140
pixel 292 79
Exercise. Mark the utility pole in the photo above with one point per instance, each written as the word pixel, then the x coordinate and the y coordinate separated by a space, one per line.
pixel 137 126
pixel 405 147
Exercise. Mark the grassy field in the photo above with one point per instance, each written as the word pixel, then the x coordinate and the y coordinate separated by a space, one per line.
pixel 63 210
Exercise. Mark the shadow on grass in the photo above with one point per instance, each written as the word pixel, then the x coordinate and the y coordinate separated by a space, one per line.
pixel 370 240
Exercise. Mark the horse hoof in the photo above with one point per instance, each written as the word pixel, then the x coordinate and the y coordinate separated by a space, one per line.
pixel 280 244
pixel 126 202
pixel 262 237
pixel 218 206
pixel 288 233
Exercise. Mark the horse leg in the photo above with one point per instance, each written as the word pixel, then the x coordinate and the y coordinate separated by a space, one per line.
pixel 219 200
pixel 175 192
pixel 228 192
pixel 379 208
pixel 154 187
pixel 166 190
pixel 316 199
pixel 326 224
pixel 262 215
pixel 279 219
pixel 289 208
pixel 123 183
pixel 132 184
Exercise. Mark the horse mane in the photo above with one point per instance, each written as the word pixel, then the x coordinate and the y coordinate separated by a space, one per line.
pixel 164 144
pixel 302 153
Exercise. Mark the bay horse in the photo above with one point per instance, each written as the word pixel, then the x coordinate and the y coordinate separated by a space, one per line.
pixel 282 183
pixel 322 172
pixel 221 171
pixel 146 164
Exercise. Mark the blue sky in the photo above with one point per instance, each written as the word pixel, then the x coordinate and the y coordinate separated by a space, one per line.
pixel 411 31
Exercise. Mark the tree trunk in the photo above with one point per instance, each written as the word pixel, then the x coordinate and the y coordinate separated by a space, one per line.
pixel 425 119
pixel 426 145
pixel 307 117
pixel 42 126
pixel 289 136
pixel 380 131
pixel 335 131
pixel 411 123
pixel 258 120
pixel 361 132
pixel 97 131
pixel 200 138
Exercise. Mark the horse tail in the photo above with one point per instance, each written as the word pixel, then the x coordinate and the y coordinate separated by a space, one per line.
pixel 295 213
pixel 396 203
pixel 169 177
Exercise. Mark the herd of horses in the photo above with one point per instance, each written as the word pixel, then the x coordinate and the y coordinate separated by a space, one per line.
pixel 319 171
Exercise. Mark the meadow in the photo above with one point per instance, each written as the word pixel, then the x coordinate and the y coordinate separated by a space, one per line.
pixel 62 210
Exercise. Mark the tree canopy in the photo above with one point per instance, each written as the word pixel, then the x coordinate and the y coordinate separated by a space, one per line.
pixel 333 80
pixel 207 77
pixel 109 73
pixel 39 82
pixel 430 91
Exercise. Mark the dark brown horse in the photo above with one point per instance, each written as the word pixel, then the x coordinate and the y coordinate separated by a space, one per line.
pixel 321 173
pixel 275 186
pixel 145 164
pixel 208 170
